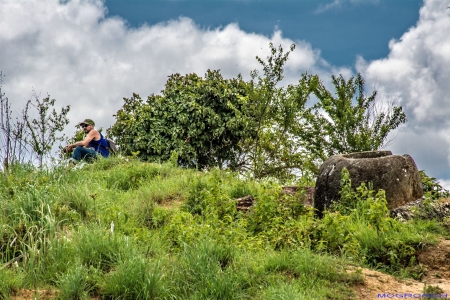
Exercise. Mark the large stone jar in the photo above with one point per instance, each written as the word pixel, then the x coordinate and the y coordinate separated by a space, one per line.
pixel 396 174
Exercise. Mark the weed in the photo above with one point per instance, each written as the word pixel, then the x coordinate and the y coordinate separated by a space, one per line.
pixel 101 248
pixel 432 289
pixel 133 278
pixel 74 284
pixel 123 229
pixel 10 282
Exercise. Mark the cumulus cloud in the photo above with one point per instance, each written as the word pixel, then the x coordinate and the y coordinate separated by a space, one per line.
pixel 82 58
pixel 418 69
pixel 445 183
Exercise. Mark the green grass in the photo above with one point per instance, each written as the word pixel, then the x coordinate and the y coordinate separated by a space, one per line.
pixel 74 284
pixel 11 280
pixel 125 229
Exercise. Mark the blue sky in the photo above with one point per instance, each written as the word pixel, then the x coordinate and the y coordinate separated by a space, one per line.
pixel 91 53
pixel 341 32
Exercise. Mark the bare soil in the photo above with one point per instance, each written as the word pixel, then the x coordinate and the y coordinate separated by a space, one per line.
pixel 37 294
pixel 436 260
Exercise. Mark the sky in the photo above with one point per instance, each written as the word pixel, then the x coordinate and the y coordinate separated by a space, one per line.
pixel 90 54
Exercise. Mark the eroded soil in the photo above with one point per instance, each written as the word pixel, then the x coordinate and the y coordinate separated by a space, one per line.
pixel 436 260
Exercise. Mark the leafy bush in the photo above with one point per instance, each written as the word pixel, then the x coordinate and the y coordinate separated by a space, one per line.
pixel 257 127
pixel 203 120
pixel 351 120
pixel 208 197
pixel 431 188
pixel 360 227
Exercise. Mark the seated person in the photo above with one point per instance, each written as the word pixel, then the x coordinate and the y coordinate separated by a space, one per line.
pixel 93 144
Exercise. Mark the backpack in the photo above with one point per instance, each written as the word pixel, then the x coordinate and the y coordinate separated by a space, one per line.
pixel 112 147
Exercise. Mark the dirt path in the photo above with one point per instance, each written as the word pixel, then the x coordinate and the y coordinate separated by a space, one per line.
pixel 436 259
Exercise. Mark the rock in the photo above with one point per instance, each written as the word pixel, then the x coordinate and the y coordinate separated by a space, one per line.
pixel 246 203
pixel 397 175
pixel 307 193
pixel 426 210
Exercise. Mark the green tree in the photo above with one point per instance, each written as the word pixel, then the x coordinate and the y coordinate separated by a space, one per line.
pixel 279 113
pixel 349 121
pixel 13 148
pixel 44 128
pixel 202 120
pixel 259 126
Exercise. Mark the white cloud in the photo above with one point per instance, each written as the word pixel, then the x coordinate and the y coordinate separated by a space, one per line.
pixel 72 51
pixel 418 69
pixel 84 59
pixel 337 4
pixel 445 183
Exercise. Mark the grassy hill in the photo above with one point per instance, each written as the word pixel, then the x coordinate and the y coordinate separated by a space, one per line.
pixel 125 229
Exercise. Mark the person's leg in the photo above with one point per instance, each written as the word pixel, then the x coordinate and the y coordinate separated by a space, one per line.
pixel 83 153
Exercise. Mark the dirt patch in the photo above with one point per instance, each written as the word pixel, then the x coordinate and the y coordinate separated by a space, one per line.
pixel 171 204
pixel 34 294
pixel 436 260
pixel 39 294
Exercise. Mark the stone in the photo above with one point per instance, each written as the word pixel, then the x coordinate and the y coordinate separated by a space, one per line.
pixel 307 196
pixel 396 174
pixel 425 210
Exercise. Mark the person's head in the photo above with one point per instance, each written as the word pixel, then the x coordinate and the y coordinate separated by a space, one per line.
pixel 87 125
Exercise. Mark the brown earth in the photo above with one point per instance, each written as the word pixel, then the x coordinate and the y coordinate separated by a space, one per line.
pixel 37 294
pixel 435 259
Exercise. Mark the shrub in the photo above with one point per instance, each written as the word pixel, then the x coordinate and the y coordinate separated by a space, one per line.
pixel 431 188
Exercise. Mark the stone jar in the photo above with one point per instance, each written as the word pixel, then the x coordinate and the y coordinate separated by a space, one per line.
pixel 396 174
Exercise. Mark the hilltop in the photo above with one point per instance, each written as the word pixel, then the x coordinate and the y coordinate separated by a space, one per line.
pixel 124 229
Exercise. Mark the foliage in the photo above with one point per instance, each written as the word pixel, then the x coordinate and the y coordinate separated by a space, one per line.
pixel 350 121
pixel 203 120
pixel 10 282
pixel 280 114
pixel 44 128
pixel 360 226
pixel 310 270
pixel 432 290
pixel 175 233
pixel 133 279
pixel 363 198
pixel 431 188
pixel 260 127
pixel 74 284
pixel 29 136
pixel 13 134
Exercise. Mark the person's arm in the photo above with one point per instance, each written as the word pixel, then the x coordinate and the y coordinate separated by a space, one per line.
pixel 89 137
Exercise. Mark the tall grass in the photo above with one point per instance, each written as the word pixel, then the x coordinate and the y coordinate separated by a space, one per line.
pixel 134 278
pixel 124 229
